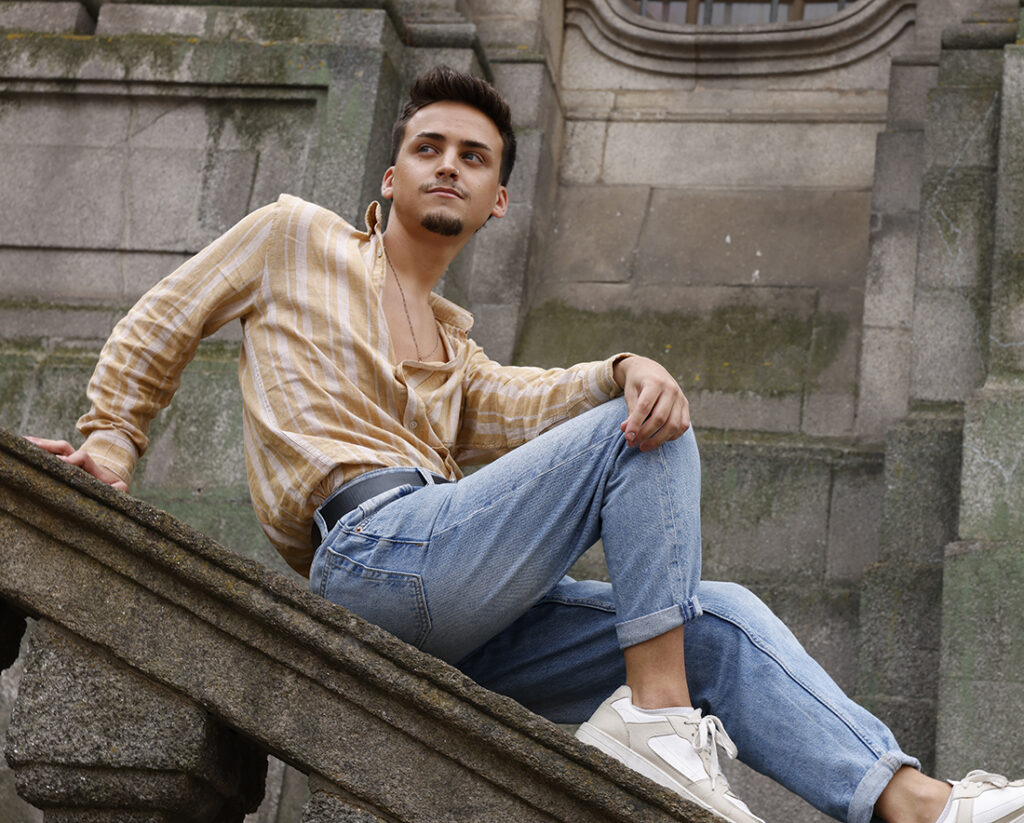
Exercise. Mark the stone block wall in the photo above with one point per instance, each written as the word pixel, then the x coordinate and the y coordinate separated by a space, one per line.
pixel 714 213
pixel 981 685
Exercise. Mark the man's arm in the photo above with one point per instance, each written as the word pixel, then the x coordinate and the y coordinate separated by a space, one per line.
pixel 507 405
pixel 140 366
pixel 658 409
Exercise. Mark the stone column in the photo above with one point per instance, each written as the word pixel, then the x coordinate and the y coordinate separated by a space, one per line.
pixel 92 741
pixel 981 698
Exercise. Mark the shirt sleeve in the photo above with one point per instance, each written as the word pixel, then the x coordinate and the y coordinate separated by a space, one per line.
pixel 506 406
pixel 140 366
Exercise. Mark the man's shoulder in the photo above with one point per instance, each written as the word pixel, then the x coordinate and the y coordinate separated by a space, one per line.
pixel 312 216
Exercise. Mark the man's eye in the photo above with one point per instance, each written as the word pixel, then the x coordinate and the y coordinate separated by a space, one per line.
pixel 425 148
pixel 473 157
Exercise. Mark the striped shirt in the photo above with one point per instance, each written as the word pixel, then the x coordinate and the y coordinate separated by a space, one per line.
pixel 323 398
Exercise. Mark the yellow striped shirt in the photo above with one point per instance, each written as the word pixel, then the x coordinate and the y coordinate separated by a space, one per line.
pixel 323 398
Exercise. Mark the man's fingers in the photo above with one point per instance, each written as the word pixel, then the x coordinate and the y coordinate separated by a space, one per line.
pixel 639 409
pixel 678 422
pixel 52 446
pixel 79 457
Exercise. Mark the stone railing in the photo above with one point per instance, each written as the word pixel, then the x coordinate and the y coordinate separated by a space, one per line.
pixel 162 669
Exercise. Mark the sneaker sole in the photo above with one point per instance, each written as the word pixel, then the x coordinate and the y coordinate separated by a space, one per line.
pixel 593 736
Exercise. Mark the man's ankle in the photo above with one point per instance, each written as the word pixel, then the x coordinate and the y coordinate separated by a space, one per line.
pixel 912 797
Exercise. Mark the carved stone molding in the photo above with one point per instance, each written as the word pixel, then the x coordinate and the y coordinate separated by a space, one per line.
pixel 705 51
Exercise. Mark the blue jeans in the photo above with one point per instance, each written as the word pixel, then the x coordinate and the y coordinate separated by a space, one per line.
pixel 475 573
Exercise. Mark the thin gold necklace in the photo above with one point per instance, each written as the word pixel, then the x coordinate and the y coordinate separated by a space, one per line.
pixel 408 318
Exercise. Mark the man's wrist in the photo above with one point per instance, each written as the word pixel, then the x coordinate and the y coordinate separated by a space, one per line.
pixel 619 369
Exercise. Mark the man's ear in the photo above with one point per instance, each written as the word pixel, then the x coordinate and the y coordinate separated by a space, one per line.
pixel 387 185
pixel 500 203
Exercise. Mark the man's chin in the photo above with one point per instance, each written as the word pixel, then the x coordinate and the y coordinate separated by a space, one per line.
pixel 443 224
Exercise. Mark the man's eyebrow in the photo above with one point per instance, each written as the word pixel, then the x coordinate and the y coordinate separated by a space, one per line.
pixel 443 138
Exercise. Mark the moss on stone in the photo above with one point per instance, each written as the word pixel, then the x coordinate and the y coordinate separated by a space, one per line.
pixel 734 348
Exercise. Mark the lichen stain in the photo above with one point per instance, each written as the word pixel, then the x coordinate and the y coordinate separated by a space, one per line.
pixel 734 348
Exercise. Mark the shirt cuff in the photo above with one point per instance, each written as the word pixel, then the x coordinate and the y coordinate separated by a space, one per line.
pixel 607 379
pixel 112 450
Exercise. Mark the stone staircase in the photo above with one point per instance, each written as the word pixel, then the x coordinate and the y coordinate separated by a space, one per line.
pixel 162 669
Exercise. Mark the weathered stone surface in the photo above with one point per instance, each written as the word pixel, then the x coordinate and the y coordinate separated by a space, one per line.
pixel 982 688
pixel 1006 349
pixel 752 238
pixel 955 242
pixel 992 496
pixel 51 17
pixel 596 233
pixel 922 487
pixel 767 507
pixel 775 506
pixel 889 289
pixel 289 670
pixel 584 150
pixel 972 67
pixel 740 154
pixel 910 80
pixel 12 808
pixel 949 344
pixel 854 514
pixel 87 732
pixel 899 161
pixel 757 341
pixel 900 623
pixel 900 608
pixel 884 387
pixel 962 126
pixel 329 803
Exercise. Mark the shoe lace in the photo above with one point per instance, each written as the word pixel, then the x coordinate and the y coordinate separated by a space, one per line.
pixel 997 780
pixel 710 735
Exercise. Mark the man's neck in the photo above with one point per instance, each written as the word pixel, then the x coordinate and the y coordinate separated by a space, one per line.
pixel 420 258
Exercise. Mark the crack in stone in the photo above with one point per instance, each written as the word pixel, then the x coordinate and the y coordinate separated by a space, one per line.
pixel 1007 473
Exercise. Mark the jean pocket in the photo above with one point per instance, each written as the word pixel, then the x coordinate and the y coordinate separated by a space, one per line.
pixel 393 600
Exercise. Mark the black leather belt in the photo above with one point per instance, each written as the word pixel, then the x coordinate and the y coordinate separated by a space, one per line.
pixel 362 489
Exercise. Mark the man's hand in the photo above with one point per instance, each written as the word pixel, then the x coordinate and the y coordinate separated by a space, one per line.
pixel 658 409
pixel 77 457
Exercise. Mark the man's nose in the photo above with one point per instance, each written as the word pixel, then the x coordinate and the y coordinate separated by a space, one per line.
pixel 447 166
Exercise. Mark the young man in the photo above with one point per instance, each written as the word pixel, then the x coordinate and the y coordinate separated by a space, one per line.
pixel 363 392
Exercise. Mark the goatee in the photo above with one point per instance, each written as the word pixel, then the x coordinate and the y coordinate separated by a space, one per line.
pixel 442 224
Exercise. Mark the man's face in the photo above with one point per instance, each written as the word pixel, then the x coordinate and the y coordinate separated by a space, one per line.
pixel 446 176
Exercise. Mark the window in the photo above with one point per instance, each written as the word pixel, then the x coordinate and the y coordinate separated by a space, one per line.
pixel 733 12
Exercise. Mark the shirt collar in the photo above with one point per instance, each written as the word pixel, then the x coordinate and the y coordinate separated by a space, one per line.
pixel 373 218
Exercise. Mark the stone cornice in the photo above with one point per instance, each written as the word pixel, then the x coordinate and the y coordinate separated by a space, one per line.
pixel 706 51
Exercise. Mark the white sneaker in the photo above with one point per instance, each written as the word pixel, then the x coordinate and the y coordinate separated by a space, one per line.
pixel 678 750
pixel 982 797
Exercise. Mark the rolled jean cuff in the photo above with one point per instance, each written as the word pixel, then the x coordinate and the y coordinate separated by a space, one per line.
pixel 644 628
pixel 865 796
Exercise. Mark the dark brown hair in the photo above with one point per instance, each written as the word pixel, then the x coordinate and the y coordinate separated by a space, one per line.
pixel 443 84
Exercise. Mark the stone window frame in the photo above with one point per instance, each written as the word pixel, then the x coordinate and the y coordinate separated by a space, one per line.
pixel 751 50
pixel 699 12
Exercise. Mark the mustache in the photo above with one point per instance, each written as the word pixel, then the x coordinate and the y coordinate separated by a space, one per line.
pixel 455 187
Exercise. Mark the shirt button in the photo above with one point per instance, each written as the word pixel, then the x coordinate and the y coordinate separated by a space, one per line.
pixel 380 251
pixel 413 424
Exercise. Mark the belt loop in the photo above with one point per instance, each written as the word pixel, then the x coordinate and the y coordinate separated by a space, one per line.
pixel 428 477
